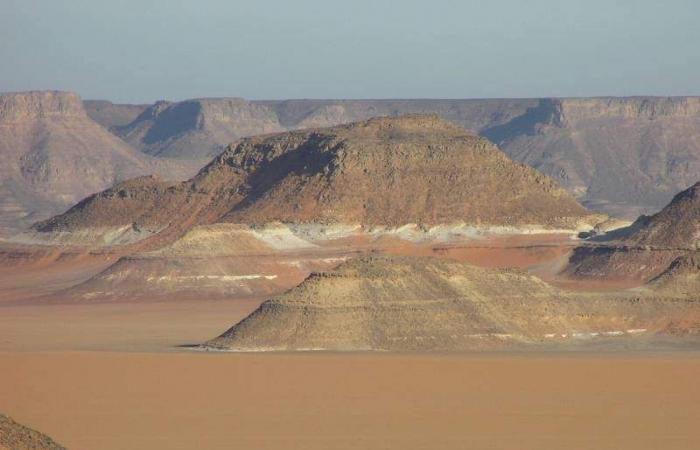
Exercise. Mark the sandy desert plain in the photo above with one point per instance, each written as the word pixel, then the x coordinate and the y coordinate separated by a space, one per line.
pixel 396 282
pixel 115 376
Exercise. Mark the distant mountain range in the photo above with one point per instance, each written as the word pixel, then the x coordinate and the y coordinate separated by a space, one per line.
pixel 383 172
pixel 52 155
pixel 622 156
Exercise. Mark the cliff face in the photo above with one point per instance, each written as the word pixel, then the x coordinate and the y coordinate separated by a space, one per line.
pixel 383 172
pixel 23 106
pixel 52 155
pixel 625 156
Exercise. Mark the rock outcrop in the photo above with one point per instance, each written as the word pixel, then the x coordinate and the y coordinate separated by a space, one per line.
pixel 647 247
pixel 624 156
pixel 14 436
pixel 420 303
pixel 385 172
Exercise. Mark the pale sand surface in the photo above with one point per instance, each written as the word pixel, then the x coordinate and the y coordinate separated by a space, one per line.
pixel 131 327
pixel 112 377
pixel 144 401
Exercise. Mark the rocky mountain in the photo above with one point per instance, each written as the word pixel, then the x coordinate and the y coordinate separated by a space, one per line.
pixel 675 226
pixel 648 246
pixel 14 436
pixel 422 303
pixel 52 155
pixel 625 156
pixel 382 172
pixel 111 115
pixel 682 276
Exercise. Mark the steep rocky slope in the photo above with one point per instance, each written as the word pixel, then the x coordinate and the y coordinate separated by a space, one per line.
pixel 648 246
pixel 14 436
pixel 111 115
pixel 626 156
pixel 52 155
pixel 399 304
pixel 383 172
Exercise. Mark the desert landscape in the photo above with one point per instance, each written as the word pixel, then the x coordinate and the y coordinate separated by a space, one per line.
pixel 249 262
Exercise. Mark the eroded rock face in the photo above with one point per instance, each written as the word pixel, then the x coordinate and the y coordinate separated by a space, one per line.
pixel 52 155
pixel 624 156
pixel 14 436
pixel 421 303
pixel 381 172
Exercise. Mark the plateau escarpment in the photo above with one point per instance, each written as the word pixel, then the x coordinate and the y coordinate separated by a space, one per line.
pixel 52 155
pixel 624 156
pixel 418 303
pixel 196 129
pixel 384 172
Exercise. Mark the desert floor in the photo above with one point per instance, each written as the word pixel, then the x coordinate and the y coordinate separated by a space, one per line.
pixel 113 377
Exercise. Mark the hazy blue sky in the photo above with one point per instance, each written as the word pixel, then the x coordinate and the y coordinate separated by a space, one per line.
pixel 141 50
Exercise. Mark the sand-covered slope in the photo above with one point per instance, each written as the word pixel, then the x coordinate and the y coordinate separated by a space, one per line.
pixel 14 436
pixel 52 155
pixel 646 248
pixel 382 172
pixel 422 303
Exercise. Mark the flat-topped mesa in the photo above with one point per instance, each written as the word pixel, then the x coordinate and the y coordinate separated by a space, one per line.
pixel 19 106
pixel 423 303
pixel 383 172
pixel 52 154
pixel 625 156
pixel 196 128
pixel 627 107
pixel 396 171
